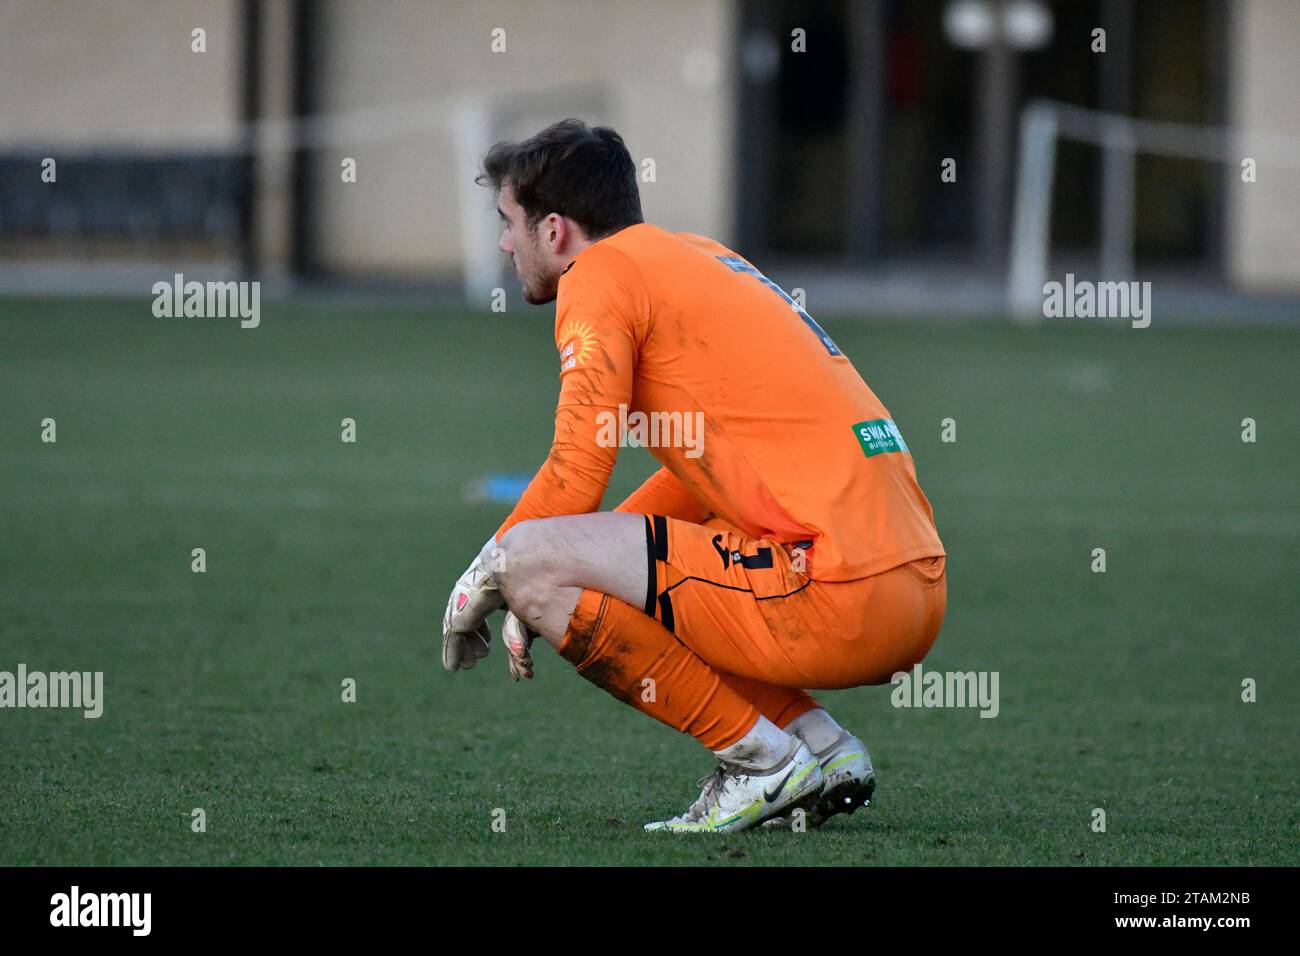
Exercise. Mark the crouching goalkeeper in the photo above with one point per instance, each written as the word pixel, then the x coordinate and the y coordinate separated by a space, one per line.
pixel 788 547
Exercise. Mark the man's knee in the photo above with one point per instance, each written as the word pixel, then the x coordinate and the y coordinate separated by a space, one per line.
pixel 524 568
pixel 537 560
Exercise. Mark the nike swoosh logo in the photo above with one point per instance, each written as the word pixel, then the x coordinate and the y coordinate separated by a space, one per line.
pixel 770 795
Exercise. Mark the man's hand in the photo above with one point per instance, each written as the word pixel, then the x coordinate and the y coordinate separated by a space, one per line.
pixel 519 638
pixel 466 637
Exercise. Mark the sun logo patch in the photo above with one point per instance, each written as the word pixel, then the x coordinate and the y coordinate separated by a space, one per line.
pixel 577 344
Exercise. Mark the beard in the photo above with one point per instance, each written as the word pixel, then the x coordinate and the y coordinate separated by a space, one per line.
pixel 540 287
pixel 541 290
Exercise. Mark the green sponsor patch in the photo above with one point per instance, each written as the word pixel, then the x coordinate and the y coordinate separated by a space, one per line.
pixel 878 436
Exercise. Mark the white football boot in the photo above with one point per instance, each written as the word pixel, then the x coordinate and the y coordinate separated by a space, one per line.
pixel 849 782
pixel 736 798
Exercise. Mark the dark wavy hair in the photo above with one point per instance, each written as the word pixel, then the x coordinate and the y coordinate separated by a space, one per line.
pixel 579 171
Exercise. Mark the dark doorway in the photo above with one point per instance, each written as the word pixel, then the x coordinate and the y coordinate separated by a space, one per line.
pixel 842 146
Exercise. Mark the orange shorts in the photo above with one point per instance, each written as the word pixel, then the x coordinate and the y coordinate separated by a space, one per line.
pixel 740 605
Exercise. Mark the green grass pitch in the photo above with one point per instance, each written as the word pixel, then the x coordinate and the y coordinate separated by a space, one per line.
pixel 328 561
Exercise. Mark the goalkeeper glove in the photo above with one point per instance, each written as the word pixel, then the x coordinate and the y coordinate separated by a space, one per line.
pixel 466 637
pixel 519 638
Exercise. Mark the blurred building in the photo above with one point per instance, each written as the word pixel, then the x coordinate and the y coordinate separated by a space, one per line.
pixel 814 131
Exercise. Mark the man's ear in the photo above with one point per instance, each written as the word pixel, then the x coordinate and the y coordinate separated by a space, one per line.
pixel 556 232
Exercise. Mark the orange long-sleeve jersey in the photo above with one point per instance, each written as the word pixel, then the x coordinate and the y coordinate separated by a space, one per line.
pixel 791 444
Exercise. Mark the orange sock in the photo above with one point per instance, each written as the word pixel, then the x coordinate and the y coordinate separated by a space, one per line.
pixel 620 649
pixel 778 704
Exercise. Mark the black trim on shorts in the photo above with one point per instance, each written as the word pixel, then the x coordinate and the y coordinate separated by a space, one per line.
pixel 661 537
pixel 652 581
pixel 666 612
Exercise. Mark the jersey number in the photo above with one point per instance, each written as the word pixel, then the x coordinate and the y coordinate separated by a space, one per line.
pixel 737 264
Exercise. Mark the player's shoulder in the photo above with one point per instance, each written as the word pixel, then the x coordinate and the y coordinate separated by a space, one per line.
pixel 606 281
pixel 645 242
pixel 634 261
pixel 613 258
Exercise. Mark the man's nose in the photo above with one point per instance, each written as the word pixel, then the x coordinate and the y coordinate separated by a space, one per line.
pixel 505 243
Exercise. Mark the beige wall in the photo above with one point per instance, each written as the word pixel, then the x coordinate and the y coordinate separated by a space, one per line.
pixel 658 72
pixel 121 73
pixel 95 73
pixel 1264 83
pixel 118 72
